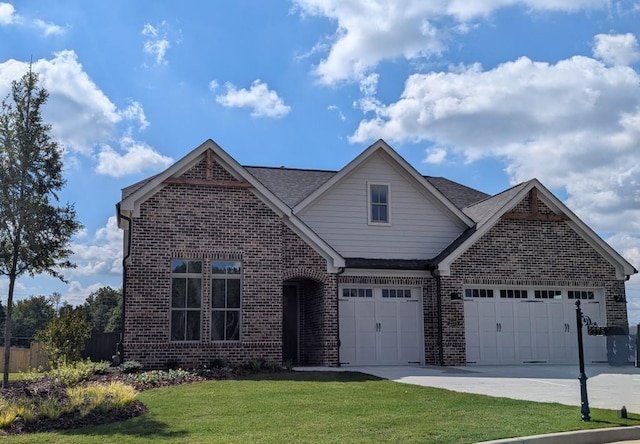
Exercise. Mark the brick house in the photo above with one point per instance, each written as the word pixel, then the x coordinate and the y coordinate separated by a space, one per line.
pixel 372 264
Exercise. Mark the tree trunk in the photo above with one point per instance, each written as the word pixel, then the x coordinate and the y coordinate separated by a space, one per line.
pixel 7 332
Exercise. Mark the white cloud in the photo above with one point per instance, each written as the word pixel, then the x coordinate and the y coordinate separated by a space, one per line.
pixel 616 49
pixel 371 31
pixel 135 112
pixel 436 156
pixel 137 157
pixel 259 98
pixel 157 43
pixel 75 294
pixel 80 113
pixel 49 28
pixel 100 254
pixel 336 109
pixel 7 14
pixel 574 124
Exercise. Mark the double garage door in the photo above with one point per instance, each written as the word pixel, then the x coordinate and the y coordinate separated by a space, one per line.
pixel 529 325
pixel 380 326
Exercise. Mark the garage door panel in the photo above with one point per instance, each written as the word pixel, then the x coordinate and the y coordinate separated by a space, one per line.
pixel 387 327
pixel 533 326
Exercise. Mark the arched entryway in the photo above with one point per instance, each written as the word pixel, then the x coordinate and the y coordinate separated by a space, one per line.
pixel 305 328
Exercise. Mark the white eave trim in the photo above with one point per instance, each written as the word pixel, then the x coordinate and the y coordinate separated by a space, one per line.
pixel 405 167
pixel 623 268
pixel 130 206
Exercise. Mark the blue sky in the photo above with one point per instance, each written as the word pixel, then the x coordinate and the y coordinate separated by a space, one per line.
pixel 485 92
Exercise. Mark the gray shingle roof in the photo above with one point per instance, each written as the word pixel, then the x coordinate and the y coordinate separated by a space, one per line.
pixel 482 211
pixel 290 185
pixel 461 195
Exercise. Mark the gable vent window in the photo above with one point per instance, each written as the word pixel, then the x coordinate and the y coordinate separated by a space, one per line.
pixel 186 298
pixel 379 203
pixel 226 284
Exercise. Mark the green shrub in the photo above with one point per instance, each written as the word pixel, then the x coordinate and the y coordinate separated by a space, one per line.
pixel 100 397
pixel 64 337
pixel 131 367
pixel 49 407
pixel 218 363
pixel 69 374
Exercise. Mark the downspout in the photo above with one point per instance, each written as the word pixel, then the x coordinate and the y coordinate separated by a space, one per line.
pixel 120 349
pixel 338 273
pixel 439 317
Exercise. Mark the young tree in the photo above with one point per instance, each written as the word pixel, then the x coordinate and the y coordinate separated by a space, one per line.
pixel 35 232
pixel 64 337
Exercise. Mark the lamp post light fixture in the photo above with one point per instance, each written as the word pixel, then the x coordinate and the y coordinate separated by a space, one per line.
pixel 584 400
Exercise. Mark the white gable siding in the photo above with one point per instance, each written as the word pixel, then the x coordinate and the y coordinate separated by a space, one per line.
pixel 420 228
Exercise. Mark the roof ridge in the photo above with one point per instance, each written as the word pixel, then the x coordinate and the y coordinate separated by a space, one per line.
pixel 289 168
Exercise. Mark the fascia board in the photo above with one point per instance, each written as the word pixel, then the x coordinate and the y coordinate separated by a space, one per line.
pixel 622 266
pixel 413 173
pixel 404 166
pixel 444 267
pixel 334 260
pixel 338 176
pixel 131 204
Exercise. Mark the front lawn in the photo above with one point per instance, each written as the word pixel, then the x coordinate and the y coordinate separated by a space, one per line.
pixel 327 407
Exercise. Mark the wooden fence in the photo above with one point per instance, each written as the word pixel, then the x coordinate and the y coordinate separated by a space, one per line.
pixel 25 359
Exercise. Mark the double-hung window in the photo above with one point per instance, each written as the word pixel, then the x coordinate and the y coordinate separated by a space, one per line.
pixel 186 299
pixel 378 203
pixel 226 284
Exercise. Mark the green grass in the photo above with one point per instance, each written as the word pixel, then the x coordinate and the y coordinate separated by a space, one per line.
pixel 328 407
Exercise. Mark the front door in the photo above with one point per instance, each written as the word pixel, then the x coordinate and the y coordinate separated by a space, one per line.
pixel 291 324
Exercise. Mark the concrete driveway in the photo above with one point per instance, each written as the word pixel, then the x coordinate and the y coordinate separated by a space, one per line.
pixel 608 387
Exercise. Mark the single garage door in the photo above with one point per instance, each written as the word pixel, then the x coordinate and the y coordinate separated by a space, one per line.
pixel 530 325
pixel 380 326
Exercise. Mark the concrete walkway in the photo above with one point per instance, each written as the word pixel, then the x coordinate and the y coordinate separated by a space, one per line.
pixel 607 386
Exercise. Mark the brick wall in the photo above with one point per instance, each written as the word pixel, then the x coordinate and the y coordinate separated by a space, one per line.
pixel 210 223
pixel 525 253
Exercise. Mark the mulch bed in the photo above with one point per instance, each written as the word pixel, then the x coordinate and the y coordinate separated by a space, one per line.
pixel 43 388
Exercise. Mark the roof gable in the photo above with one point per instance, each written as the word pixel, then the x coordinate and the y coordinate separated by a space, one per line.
pixel 489 211
pixel 397 162
pixel 236 176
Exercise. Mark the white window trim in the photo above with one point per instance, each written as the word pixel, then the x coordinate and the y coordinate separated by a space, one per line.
pixel 240 309
pixel 369 205
pixel 186 309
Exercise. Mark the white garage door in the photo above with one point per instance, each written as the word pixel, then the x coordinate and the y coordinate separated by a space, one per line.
pixel 530 325
pixel 380 326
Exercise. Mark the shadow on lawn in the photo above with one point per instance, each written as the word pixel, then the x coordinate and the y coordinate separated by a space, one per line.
pixel 140 426
pixel 310 376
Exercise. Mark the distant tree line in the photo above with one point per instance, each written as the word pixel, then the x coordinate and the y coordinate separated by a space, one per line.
pixel 102 310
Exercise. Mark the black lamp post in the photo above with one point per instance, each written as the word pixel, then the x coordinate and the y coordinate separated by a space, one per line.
pixel 584 401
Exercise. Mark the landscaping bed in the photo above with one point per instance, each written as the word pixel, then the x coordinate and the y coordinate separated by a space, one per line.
pixel 87 393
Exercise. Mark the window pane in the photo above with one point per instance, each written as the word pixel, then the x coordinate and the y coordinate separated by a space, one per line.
pixel 233 293
pixel 217 325
pixel 178 292
pixel 177 325
pixel 217 292
pixel 233 268
pixel 178 266
pixel 233 325
pixel 194 292
pixel 195 267
pixel 193 325
pixel 218 267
